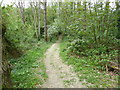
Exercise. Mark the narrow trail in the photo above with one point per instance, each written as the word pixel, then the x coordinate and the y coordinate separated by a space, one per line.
pixel 60 75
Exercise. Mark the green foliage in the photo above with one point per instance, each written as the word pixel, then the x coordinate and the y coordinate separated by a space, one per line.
pixel 29 70
pixel 18 34
pixel 95 22
pixel 91 32
pixel 77 46
pixel 90 68
pixel 55 29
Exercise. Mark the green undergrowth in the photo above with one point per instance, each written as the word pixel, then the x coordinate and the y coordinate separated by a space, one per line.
pixel 89 69
pixel 29 70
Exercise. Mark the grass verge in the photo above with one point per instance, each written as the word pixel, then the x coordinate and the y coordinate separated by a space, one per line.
pixel 88 70
pixel 29 70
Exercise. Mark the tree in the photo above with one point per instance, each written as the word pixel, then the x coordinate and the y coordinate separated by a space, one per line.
pixel 34 13
pixel 39 21
pixel 1 3
pixel 21 6
pixel 45 19
pixel 6 70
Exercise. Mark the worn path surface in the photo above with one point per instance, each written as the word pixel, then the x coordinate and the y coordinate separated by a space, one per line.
pixel 60 75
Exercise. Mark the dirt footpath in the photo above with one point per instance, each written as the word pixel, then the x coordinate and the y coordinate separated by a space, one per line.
pixel 60 75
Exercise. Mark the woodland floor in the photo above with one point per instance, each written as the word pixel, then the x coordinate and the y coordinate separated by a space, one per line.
pixel 59 74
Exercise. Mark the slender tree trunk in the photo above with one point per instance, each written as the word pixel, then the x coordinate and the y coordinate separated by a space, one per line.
pixel 35 19
pixel 34 12
pixel 32 15
pixel 78 6
pixel 74 7
pixel 107 21
pixel 94 27
pixel 74 10
pixel 85 15
pixel 1 3
pixel 45 20
pixel 1 71
pixel 21 6
pixel 39 21
pixel 58 9
pixel 101 22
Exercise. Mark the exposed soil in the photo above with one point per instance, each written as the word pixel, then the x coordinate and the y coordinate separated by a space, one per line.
pixel 60 75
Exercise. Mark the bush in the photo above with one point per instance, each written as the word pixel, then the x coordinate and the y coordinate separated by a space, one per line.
pixel 55 29
pixel 77 46
pixel 18 34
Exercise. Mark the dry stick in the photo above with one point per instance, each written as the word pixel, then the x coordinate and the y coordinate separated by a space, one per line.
pixel 106 68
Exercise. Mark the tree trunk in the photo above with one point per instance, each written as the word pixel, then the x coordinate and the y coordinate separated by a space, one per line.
pixel 34 13
pixel 45 20
pixel 35 19
pixel 39 21
pixel 59 3
pixel 22 11
pixel 95 27
pixel 85 15
pixel 6 81
pixel 6 70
